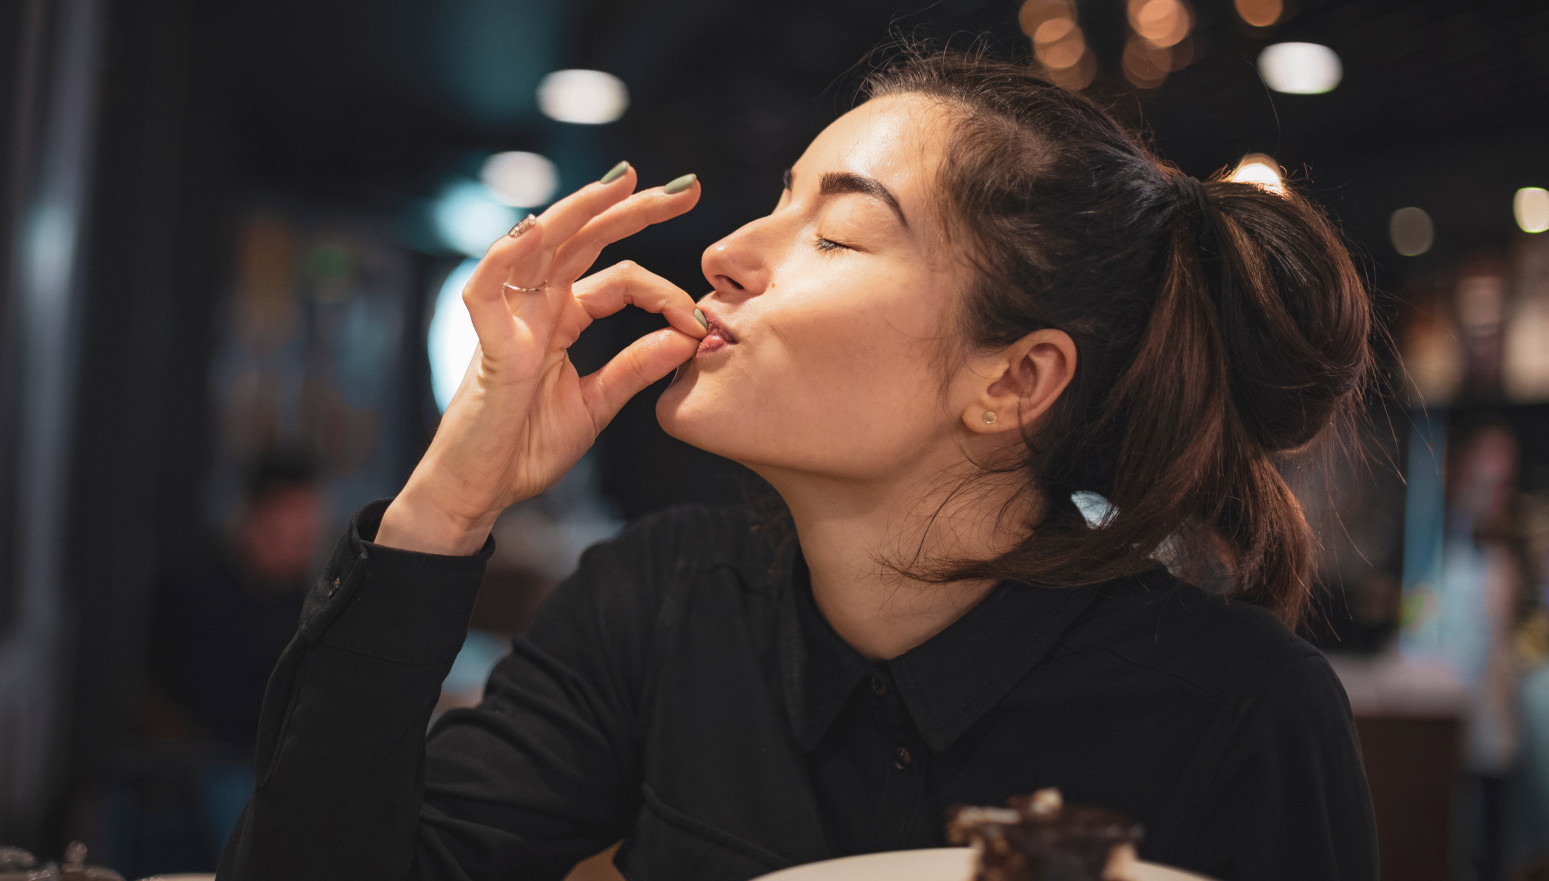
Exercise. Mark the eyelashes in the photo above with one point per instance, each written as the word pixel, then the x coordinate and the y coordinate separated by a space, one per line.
pixel 827 245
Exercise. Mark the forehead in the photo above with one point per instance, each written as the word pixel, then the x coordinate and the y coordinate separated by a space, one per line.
pixel 897 139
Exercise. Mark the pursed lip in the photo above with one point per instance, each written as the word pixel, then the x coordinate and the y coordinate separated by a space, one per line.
pixel 717 327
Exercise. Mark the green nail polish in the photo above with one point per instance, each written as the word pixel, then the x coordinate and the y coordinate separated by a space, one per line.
pixel 678 185
pixel 615 173
pixel 703 321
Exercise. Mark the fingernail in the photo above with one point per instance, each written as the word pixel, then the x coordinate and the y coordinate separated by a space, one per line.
pixel 678 185
pixel 703 321
pixel 614 173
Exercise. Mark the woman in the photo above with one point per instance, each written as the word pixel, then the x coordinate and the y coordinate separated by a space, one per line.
pixel 977 296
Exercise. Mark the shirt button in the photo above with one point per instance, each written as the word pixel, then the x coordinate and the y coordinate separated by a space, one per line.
pixel 901 758
pixel 878 687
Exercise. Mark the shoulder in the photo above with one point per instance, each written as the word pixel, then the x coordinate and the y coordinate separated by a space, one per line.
pixel 1228 650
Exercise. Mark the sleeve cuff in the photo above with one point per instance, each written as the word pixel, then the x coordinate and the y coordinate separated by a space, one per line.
pixel 391 603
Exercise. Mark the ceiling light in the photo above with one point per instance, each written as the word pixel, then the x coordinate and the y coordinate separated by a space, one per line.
pixel 589 97
pixel 523 180
pixel 1300 68
pixel 1531 206
pixel 1411 231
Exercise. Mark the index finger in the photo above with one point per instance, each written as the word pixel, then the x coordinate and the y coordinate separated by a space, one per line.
pixel 559 222
pixel 629 284
pixel 621 221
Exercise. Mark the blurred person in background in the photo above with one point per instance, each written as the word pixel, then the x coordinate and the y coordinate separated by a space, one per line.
pixel 1486 575
pixel 220 623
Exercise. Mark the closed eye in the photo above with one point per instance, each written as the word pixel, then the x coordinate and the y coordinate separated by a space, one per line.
pixel 823 244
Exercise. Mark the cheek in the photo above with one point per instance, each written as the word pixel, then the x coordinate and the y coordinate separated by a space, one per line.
pixel 873 351
pixel 838 372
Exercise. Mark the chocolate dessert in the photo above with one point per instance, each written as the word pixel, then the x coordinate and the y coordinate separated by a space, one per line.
pixel 1039 838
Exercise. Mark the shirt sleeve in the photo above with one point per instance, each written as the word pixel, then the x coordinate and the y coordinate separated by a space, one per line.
pixel 519 788
pixel 1289 798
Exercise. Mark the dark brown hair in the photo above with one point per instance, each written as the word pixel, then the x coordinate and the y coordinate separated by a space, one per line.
pixel 1219 326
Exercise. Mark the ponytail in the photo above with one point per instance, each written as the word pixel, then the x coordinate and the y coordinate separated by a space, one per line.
pixel 1220 327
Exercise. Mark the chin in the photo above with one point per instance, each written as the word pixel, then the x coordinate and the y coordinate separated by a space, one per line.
pixel 675 411
pixel 694 417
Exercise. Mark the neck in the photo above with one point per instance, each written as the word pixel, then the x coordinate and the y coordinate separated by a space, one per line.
pixel 849 531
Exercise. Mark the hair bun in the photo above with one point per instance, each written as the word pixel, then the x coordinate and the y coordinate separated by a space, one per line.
pixel 1295 316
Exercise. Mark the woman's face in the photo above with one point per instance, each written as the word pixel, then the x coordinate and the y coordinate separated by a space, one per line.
pixel 840 306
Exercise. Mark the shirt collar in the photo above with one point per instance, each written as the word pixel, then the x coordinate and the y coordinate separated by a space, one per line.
pixel 947 683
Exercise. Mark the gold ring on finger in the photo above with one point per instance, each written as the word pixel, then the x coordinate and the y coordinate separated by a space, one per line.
pixel 521 290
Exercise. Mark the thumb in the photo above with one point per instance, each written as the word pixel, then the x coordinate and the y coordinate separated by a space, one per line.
pixel 643 362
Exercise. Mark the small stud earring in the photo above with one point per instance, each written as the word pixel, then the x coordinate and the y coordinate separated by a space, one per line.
pixel 989 417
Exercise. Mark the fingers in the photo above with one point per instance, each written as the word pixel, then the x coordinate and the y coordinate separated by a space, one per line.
pixel 517 260
pixel 620 221
pixel 486 300
pixel 646 360
pixel 629 284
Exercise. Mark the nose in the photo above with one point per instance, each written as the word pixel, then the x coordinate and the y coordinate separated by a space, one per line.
pixel 738 264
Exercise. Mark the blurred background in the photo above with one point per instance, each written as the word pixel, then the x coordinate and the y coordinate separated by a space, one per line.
pixel 233 237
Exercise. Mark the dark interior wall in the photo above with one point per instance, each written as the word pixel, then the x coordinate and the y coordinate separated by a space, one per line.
pixel 159 243
pixel 26 30
pixel 23 33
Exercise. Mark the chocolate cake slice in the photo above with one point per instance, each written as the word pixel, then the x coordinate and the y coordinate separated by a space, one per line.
pixel 1039 838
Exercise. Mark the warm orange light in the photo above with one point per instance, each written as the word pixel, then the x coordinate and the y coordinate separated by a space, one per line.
pixel 1053 31
pixel 1142 66
pixel 1059 44
pixel 1035 12
pixel 1063 56
pixel 1163 22
pixel 1260 13
pixel 1078 75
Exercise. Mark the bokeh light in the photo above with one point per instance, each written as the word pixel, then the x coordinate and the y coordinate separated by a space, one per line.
pixel 1162 22
pixel 1261 170
pixel 587 97
pixel 1260 13
pixel 1059 43
pixel 1300 68
pixel 467 217
pixel 523 180
pixel 1035 12
pixel 451 339
pixel 1077 76
pixel 1146 65
pixel 1411 231
pixel 1531 206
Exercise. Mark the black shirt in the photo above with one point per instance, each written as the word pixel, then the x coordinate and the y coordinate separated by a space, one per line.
pixel 682 692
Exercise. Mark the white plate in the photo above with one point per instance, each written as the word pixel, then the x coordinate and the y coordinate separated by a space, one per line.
pixel 934 864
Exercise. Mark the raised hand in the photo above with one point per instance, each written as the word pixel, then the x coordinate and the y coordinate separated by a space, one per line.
pixel 523 415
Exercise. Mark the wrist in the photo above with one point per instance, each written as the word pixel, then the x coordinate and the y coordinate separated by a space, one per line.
pixel 412 522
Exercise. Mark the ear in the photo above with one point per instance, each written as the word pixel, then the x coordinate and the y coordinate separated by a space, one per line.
pixel 1013 387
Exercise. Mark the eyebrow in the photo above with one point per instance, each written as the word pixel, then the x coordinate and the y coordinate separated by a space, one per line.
pixel 836 182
